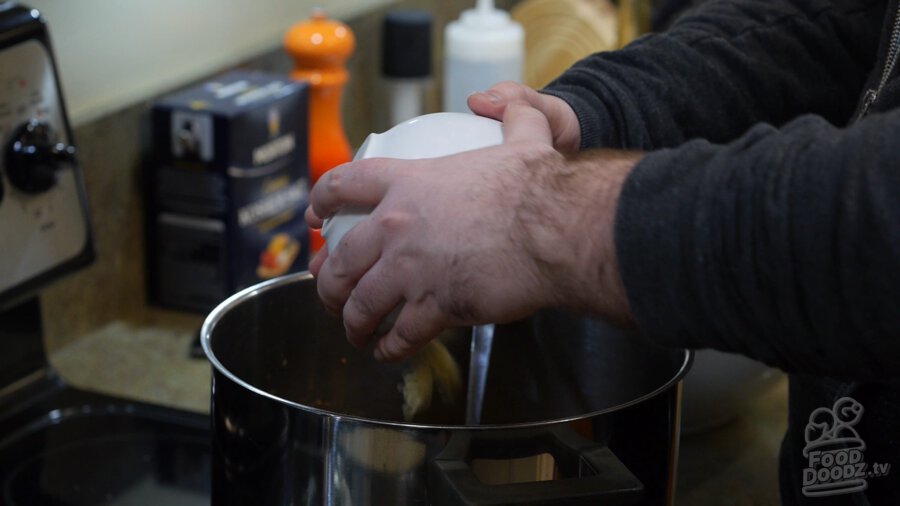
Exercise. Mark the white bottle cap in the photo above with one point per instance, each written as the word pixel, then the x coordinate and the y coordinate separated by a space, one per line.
pixel 484 34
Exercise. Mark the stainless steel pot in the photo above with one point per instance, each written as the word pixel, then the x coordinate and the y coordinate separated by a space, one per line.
pixel 575 412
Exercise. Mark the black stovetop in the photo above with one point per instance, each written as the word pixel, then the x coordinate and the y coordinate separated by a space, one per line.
pixel 77 448
pixel 62 446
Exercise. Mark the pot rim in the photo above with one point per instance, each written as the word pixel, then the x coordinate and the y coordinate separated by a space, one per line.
pixel 225 306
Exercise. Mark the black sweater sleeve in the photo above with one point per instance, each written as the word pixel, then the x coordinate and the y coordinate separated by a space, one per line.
pixel 779 242
pixel 728 66
pixel 783 245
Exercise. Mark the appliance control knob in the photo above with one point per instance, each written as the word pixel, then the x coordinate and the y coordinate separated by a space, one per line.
pixel 33 156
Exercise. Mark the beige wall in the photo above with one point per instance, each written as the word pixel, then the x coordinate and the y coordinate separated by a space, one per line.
pixel 113 53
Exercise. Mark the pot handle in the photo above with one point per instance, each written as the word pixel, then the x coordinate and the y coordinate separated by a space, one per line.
pixel 599 476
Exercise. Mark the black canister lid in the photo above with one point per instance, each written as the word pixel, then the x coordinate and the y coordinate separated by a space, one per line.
pixel 406 44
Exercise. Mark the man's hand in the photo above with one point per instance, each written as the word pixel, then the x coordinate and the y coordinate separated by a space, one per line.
pixel 490 235
pixel 564 125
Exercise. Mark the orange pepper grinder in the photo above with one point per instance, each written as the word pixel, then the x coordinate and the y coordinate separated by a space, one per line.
pixel 320 48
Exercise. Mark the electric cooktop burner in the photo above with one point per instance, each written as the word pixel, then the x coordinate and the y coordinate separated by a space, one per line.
pixel 76 448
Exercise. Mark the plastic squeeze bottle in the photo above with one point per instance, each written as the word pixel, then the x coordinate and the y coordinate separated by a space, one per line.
pixel 483 47
pixel 320 48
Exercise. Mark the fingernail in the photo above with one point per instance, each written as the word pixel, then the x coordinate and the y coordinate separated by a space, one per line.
pixel 489 95
pixel 494 98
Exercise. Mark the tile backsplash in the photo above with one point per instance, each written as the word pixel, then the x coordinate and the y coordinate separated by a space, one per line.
pixel 112 150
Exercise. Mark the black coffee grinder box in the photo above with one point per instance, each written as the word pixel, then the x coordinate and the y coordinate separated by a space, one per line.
pixel 228 187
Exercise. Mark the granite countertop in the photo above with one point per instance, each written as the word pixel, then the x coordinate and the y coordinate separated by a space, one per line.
pixel 734 464
pixel 143 363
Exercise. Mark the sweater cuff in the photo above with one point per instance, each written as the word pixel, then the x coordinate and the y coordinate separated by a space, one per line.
pixel 594 124
pixel 653 246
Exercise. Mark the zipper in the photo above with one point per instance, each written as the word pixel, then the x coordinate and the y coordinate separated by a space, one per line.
pixel 890 62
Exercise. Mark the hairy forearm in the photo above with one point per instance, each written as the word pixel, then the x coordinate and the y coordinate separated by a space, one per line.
pixel 567 218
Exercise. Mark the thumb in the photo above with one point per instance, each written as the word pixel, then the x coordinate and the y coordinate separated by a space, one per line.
pixel 564 124
pixel 523 123
pixel 492 103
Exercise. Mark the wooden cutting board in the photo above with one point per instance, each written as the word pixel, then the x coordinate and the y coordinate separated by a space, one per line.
pixel 558 33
